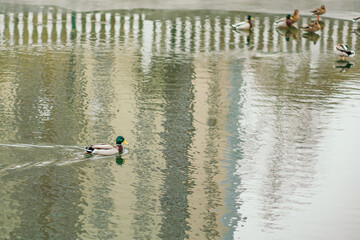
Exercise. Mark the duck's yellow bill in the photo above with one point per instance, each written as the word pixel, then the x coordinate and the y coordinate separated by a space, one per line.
pixel 125 142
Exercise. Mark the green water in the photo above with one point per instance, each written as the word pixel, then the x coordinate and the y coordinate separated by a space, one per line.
pixel 232 135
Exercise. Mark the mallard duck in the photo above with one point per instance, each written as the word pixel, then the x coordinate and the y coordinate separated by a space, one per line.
pixel 295 16
pixel 312 27
pixel 356 20
pixel 319 11
pixel 343 51
pixel 107 149
pixel 244 25
pixel 284 22
pixel 313 22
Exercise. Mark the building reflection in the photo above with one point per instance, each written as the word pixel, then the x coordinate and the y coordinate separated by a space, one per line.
pixel 177 110
pixel 192 32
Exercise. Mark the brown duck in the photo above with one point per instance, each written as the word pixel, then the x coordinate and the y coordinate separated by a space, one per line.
pixel 312 27
pixel 319 11
pixel 295 16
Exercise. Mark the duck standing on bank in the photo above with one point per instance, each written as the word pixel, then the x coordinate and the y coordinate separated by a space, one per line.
pixel 295 17
pixel 107 149
pixel 285 22
pixel 343 51
pixel 244 25
pixel 319 11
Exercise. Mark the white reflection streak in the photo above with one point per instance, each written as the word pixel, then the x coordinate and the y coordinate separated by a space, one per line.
pixel 168 36
pixel 266 34
pixel 88 27
pixel 345 32
pixel 117 28
pixel 236 35
pixel 353 38
pixel 68 27
pixel 284 44
pixel 293 44
pixel 146 49
pixel 326 34
pixel 335 31
pixel 207 34
pixel 21 28
pixel 30 26
pixel 97 28
pixel 227 33
pixel 303 40
pixel 39 26
pixel 136 19
pixel 2 27
pixel 11 28
pixel 178 25
pixel 126 29
pixel 256 34
pixel 158 35
pixel 188 34
pixel 107 27
pixel 58 27
pixel 275 41
pixel 315 55
pixel 217 33
pixel 79 29
pixel 49 26
pixel 197 37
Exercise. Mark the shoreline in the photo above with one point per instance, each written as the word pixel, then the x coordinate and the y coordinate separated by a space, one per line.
pixel 341 15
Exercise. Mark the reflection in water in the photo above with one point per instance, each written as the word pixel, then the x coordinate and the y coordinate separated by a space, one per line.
pixel 41 200
pixel 193 96
pixel 343 65
pixel 61 27
pixel 289 33
pixel 313 37
pixel 234 216
pixel 178 130
pixel 119 160
pixel 247 34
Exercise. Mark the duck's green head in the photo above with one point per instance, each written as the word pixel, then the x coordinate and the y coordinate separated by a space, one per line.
pixel 120 140
pixel 249 17
pixel 288 16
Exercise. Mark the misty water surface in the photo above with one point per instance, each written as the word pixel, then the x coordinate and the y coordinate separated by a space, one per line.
pixel 232 135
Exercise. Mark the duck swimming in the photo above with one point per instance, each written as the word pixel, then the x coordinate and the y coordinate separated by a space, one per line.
pixel 107 149
pixel 244 25
pixel 343 51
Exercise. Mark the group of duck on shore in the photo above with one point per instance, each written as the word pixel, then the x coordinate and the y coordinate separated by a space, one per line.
pixel 313 26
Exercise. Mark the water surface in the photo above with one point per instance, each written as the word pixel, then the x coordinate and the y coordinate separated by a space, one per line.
pixel 233 135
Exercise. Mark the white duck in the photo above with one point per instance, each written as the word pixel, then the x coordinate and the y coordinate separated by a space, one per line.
pixel 343 51
pixel 107 149
pixel 244 25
